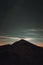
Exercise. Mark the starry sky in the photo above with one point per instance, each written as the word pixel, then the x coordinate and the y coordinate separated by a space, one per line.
pixel 21 19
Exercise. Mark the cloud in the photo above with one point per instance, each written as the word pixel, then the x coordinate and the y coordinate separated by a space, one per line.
pixel 33 33
pixel 8 40
pixel 35 30
pixel 5 37
pixel 40 44
pixel 11 40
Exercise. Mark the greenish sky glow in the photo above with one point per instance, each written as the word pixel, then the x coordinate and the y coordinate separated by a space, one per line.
pixel 21 19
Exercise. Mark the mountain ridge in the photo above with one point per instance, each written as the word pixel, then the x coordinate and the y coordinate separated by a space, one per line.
pixel 21 52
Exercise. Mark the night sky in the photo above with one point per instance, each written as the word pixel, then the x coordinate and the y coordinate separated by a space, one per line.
pixel 21 19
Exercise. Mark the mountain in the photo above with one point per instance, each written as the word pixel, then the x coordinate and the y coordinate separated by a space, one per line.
pixel 4 55
pixel 21 53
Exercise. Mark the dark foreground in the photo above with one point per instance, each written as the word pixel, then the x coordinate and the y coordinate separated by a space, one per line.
pixel 21 53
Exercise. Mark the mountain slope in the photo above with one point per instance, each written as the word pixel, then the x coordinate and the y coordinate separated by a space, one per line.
pixel 21 53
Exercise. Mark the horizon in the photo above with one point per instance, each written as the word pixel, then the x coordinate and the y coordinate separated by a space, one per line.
pixel 10 40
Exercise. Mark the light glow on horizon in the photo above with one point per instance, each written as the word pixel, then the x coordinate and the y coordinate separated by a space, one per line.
pixel 10 40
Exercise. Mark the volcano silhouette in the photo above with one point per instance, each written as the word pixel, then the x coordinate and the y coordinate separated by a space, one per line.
pixel 21 52
pixel 24 42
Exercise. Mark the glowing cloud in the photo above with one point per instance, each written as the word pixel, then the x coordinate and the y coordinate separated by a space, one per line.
pixel 28 39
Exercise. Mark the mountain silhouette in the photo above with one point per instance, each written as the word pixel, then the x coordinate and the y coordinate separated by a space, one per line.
pixel 23 42
pixel 21 52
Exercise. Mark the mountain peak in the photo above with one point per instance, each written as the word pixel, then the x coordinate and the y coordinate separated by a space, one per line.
pixel 22 42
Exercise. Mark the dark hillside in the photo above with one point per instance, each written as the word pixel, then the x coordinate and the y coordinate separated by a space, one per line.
pixel 21 53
